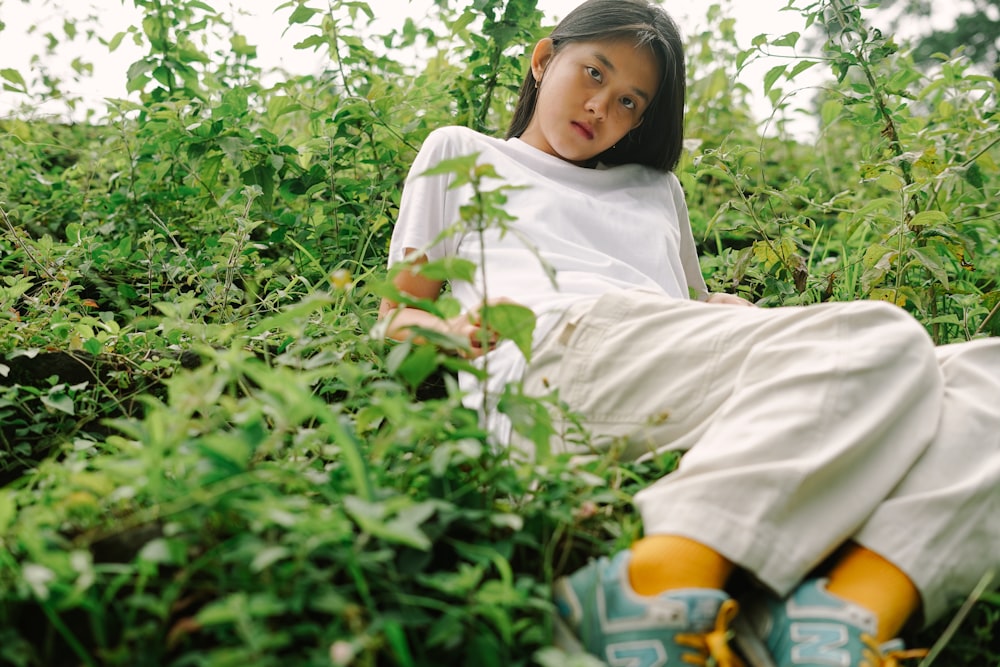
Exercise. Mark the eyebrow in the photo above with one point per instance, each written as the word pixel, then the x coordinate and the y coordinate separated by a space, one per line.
pixel 611 67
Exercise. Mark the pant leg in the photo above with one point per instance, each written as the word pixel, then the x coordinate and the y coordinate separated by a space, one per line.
pixel 941 525
pixel 798 421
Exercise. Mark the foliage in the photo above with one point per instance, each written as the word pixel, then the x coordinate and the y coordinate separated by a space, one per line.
pixel 974 32
pixel 210 456
pixel 905 212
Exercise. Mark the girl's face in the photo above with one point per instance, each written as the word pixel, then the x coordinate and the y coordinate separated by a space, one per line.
pixel 590 95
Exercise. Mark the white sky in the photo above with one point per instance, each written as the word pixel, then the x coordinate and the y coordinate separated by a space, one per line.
pixel 27 21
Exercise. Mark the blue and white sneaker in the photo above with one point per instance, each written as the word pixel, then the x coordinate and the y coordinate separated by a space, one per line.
pixel 813 628
pixel 599 613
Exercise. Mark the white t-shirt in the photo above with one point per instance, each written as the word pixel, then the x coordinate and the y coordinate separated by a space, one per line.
pixel 621 227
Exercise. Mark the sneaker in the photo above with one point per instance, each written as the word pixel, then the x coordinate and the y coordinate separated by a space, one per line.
pixel 813 628
pixel 599 613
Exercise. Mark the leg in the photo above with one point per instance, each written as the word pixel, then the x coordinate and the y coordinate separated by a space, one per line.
pixel 786 413
pixel 826 411
pixel 941 525
pixel 874 583
pixel 931 540
pixel 781 410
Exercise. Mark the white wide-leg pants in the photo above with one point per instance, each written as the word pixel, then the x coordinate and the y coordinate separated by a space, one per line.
pixel 803 427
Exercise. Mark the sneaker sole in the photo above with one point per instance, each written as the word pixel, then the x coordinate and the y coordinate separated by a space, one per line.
pixel 563 635
pixel 750 645
pixel 564 638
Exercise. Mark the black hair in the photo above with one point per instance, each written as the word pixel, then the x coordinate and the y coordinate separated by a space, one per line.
pixel 658 140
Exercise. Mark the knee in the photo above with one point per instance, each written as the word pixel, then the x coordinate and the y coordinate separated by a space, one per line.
pixel 895 336
pixel 891 323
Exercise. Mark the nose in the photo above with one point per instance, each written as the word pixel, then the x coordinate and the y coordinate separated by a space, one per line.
pixel 598 105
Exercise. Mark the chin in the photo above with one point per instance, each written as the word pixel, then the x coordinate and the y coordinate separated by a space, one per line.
pixel 577 157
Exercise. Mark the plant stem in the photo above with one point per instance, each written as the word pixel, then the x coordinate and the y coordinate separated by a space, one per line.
pixel 24 246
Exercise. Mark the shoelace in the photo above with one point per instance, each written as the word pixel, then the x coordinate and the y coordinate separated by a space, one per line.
pixel 713 646
pixel 875 658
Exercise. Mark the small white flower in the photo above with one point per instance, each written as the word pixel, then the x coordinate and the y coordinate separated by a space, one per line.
pixel 341 653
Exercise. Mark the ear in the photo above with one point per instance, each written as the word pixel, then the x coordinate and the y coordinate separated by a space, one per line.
pixel 541 56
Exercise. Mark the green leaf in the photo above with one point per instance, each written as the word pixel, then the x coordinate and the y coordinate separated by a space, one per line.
pixel 164 75
pixel 302 14
pixel 238 606
pixel 403 529
pixel 456 584
pixel 418 365
pixel 261 175
pixel 791 39
pixel 397 640
pixel 512 321
pixel 801 67
pixel 93 346
pixel 929 219
pixel 164 551
pixel 14 77
pixel 310 42
pixel 234 148
pixel 138 75
pixel 931 263
pixel 974 176
pixel 229 449
pixel 742 57
pixel 772 76
pixel 8 510
pixel 830 111
pixel 59 401
pixel 448 268
pixel 197 4
pixel 268 557
pixel 460 166
pixel 876 262
pixel 899 297
pixel 530 418
pixel 116 41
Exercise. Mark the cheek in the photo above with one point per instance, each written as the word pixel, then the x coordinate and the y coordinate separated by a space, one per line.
pixel 550 103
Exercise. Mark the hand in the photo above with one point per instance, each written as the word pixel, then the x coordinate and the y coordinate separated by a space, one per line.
pixel 723 299
pixel 469 326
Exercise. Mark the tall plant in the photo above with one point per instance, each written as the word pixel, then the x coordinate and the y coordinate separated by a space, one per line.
pixel 901 211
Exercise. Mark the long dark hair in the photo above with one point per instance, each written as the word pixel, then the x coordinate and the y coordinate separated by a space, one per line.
pixel 658 140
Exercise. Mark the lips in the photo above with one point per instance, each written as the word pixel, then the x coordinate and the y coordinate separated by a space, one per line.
pixel 584 130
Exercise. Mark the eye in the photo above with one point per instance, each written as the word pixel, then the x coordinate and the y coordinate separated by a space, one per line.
pixel 594 73
pixel 629 103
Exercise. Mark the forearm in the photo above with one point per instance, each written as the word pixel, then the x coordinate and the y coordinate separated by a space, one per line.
pixel 402 320
pixel 468 338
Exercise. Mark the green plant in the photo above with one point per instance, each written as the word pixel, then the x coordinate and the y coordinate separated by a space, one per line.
pixel 208 457
pixel 899 210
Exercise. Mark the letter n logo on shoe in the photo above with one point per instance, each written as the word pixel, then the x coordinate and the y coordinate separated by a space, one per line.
pixel 819 644
pixel 638 653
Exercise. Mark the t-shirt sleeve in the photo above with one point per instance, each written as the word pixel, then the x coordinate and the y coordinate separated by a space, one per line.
pixel 426 209
pixel 688 249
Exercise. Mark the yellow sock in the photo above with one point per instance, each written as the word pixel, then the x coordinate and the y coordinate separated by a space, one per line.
pixel 667 562
pixel 869 580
